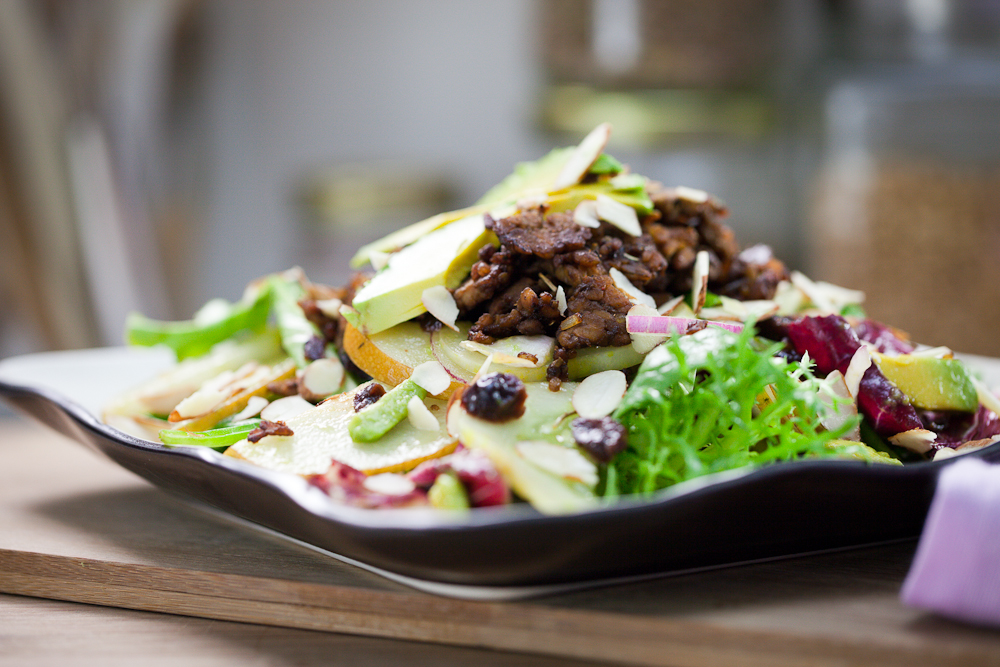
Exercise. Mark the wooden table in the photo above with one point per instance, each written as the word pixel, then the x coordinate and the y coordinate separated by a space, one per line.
pixel 74 527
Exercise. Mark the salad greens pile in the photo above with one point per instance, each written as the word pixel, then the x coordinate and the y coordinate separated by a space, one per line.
pixel 387 393
pixel 716 401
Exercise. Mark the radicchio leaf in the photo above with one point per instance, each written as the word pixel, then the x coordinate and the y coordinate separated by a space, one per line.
pixel 831 343
pixel 956 428
pixel 885 339
pixel 346 485
pixel 482 481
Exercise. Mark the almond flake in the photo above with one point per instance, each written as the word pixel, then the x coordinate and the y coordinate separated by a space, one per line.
pixel 378 259
pixel 323 377
pixel 940 352
pixel 498 357
pixel 986 396
pixel 199 403
pixel 834 387
pixel 531 200
pixel 699 281
pixel 389 484
pixel 691 194
pixel 635 295
pixel 583 157
pixel 565 462
pixel 561 300
pixel 585 214
pixel 330 307
pixel 618 214
pixel 860 362
pixel 419 416
pixel 284 408
pixel 599 394
pixel 254 405
pixel 670 306
pixel 441 304
pixel 916 439
pixel 432 377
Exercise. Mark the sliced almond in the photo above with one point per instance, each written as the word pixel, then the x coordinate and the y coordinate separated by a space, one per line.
pixel 378 259
pixel 283 408
pixel 634 294
pixel 330 307
pixel 860 362
pixel 790 299
pixel 419 416
pixel 670 306
pixel 198 403
pixel 565 462
pixel 561 300
pixel 583 157
pixel 432 377
pixel 940 352
pixel 986 396
pixel 691 194
pixel 833 388
pixel 441 304
pixel 618 214
pixel 532 199
pixel 699 281
pixel 389 484
pixel 585 214
pixel 599 394
pixel 916 439
pixel 254 405
pixel 323 377
pixel 498 357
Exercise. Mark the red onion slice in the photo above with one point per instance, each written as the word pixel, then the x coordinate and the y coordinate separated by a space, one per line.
pixel 666 325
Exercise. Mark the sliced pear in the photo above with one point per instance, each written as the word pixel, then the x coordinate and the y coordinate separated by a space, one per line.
pixel 442 257
pixel 321 435
pixel 594 360
pixel 449 348
pixel 391 355
pixel 162 394
pixel 546 419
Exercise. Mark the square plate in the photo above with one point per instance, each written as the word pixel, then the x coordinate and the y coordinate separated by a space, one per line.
pixel 722 519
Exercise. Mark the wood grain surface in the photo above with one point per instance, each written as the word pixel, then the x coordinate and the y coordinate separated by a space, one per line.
pixel 74 527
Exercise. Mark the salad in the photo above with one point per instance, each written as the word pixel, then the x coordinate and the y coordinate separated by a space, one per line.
pixel 580 334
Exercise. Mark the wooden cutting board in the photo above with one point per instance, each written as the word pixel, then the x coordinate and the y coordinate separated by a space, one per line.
pixel 75 527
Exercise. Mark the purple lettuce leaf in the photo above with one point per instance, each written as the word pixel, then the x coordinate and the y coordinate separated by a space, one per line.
pixel 482 481
pixel 831 344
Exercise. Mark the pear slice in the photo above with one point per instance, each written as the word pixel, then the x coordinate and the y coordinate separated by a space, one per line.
pixel 441 258
pixel 321 435
pixel 513 448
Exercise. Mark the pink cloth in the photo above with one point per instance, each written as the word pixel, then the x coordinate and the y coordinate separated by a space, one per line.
pixel 956 570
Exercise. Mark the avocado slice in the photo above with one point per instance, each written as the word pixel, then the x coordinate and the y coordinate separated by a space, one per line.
pixel 442 257
pixel 537 175
pixel 931 383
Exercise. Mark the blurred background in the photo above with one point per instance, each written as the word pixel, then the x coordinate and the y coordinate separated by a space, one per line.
pixel 155 154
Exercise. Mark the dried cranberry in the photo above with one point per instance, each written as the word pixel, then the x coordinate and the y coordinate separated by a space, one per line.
pixel 314 348
pixel 495 397
pixel 368 394
pixel 602 438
